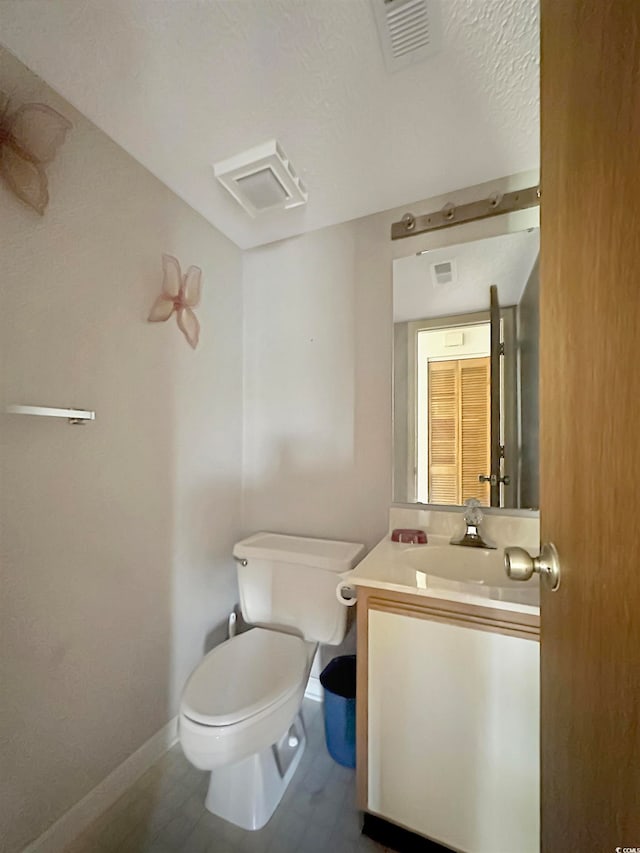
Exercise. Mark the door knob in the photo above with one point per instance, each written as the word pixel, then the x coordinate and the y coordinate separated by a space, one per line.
pixel 493 479
pixel 488 478
pixel 520 565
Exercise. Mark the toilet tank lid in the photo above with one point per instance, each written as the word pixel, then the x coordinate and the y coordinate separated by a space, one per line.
pixel 327 554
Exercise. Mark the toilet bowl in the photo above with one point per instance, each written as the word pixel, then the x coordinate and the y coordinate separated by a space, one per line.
pixel 240 719
pixel 240 712
pixel 243 696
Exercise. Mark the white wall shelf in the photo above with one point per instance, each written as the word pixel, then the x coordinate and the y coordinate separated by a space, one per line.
pixel 74 416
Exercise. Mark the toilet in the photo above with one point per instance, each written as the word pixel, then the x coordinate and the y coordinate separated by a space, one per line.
pixel 240 712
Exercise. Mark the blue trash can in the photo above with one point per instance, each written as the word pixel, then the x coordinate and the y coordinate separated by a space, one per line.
pixel 339 681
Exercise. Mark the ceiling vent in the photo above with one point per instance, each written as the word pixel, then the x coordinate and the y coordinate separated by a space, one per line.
pixel 410 30
pixel 262 179
pixel 444 273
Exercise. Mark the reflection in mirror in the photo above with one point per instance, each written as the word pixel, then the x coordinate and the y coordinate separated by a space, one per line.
pixel 465 401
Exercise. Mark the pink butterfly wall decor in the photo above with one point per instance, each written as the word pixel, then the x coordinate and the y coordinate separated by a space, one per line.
pixel 180 293
pixel 29 139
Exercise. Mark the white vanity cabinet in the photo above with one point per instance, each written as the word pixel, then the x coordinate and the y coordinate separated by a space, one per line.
pixel 448 721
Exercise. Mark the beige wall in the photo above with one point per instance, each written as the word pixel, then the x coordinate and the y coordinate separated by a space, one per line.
pixel 317 385
pixel 116 536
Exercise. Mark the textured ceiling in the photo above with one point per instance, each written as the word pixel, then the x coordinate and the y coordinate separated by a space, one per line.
pixel 505 261
pixel 181 84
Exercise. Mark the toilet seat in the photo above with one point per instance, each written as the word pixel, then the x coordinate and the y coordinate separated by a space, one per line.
pixel 244 676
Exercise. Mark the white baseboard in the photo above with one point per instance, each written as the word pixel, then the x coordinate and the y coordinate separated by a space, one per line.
pixel 314 689
pixel 79 817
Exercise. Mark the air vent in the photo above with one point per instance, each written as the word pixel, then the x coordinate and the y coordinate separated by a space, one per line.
pixel 262 179
pixel 444 273
pixel 454 339
pixel 409 30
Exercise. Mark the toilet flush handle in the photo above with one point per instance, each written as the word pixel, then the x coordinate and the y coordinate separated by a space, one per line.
pixel 240 560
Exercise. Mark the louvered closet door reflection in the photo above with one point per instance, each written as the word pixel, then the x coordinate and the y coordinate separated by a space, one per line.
pixel 459 430
pixel 444 429
pixel 475 433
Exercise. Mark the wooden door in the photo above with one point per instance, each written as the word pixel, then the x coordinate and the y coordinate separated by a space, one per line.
pixel 475 428
pixel 590 423
pixel 444 432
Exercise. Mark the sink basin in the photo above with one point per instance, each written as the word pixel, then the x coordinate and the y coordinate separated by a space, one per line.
pixel 444 571
pixel 475 566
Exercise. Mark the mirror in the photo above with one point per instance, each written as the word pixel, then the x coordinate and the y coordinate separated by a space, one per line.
pixel 465 395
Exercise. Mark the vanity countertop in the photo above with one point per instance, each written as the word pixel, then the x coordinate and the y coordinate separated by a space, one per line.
pixel 446 572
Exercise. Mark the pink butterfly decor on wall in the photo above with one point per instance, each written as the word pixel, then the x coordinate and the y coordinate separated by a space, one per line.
pixel 29 139
pixel 180 293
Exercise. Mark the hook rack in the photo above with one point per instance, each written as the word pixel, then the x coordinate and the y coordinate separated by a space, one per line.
pixel 452 214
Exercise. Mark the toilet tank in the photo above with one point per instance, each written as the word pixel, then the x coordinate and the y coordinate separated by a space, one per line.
pixel 290 582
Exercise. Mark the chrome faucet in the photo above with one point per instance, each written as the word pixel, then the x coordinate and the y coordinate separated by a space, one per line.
pixel 472 537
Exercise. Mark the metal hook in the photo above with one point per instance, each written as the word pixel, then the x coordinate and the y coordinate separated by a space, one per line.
pixel 449 211
pixel 409 221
